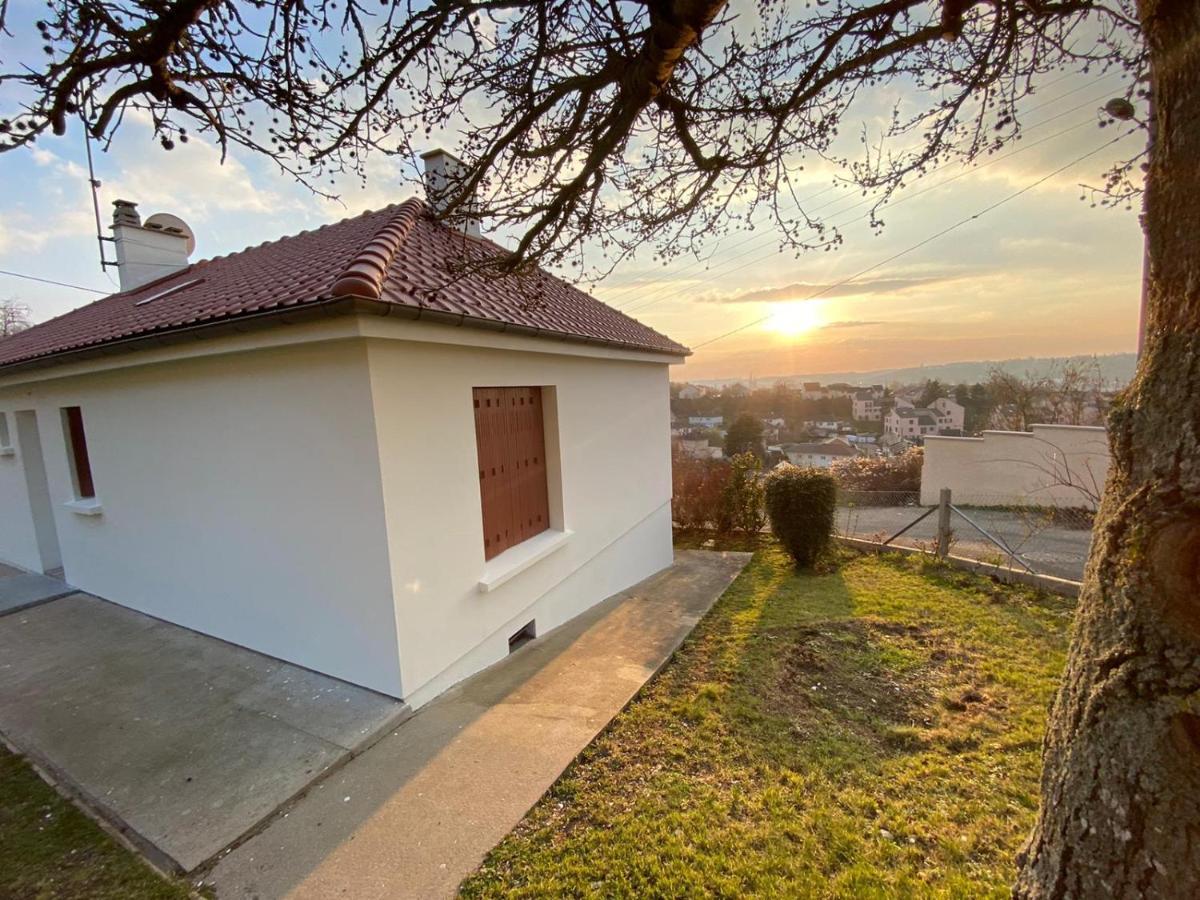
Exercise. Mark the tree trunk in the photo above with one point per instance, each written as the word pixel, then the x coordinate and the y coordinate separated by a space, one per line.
pixel 1120 812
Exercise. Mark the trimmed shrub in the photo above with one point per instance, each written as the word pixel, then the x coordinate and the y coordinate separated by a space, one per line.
pixel 698 488
pixel 742 496
pixel 881 473
pixel 801 505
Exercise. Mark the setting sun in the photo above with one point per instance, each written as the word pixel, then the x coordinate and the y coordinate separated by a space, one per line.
pixel 794 318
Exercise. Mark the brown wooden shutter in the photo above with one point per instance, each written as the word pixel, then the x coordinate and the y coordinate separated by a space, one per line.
pixel 512 466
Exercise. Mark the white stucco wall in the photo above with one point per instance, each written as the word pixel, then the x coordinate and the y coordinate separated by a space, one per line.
pixel 241 497
pixel 311 492
pixel 1017 467
pixel 610 487
pixel 18 540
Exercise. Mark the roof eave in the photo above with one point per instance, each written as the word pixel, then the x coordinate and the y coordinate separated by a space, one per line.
pixel 323 307
pixel 462 320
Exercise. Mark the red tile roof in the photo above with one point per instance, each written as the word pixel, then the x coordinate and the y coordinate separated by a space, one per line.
pixel 398 255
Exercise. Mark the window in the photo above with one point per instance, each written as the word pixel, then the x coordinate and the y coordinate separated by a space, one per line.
pixel 77 452
pixel 5 437
pixel 512 466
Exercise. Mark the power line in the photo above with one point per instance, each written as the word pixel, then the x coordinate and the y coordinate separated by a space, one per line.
pixel 78 287
pixel 634 304
pixel 930 239
pixel 889 206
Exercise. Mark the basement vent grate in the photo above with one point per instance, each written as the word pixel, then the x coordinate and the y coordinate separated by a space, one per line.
pixel 527 633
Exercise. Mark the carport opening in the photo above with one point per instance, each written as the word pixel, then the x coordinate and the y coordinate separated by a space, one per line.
pixel 527 633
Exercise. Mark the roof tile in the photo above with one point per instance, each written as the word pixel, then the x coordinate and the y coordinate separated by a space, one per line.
pixel 398 255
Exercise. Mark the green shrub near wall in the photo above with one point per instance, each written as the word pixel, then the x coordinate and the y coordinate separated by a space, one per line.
pixel 801 505
pixel 742 496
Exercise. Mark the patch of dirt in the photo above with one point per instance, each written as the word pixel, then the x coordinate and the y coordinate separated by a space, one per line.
pixel 895 684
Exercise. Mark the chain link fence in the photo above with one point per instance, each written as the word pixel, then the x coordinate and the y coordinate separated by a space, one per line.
pixel 1005 530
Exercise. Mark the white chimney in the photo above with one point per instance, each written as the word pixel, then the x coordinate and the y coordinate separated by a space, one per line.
pixel 443 174
pixel 150 251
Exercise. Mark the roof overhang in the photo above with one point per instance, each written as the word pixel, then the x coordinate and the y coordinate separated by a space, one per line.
pixel 321 309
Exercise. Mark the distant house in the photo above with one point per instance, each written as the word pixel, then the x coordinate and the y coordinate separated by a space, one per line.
pixel 944 417
pixel 819 455
pixel 692 392
pixel 706 421
pixel 812 390
pixel 827 426
pixel 950 415
pixel 867 405
pixel 699 449
pixel 347 448
pixel 910 422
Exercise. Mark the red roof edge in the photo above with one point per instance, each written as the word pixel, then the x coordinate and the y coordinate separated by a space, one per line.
pixel 364 276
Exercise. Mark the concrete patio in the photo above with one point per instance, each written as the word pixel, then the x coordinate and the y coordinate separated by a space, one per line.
pixel 20 589
pixel 419 810
pixel 181 741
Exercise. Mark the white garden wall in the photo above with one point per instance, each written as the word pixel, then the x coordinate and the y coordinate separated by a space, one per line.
pixel 241 498
pixel 608 445
pixel 1050 465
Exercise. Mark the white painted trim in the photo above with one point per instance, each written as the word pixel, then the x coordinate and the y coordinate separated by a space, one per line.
pixel 89 506
pixel 342 327
pixel 8 451
pixel 517 559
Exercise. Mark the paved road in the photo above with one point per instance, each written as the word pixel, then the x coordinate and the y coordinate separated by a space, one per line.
pixel 1049 549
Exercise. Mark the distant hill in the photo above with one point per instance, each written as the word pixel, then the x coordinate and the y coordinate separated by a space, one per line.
pixel 1117 369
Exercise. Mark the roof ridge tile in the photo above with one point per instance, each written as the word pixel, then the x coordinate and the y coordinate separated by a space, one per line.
pixel 364 275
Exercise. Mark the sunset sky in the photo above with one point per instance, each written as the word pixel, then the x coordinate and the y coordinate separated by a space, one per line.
pixel 1043 275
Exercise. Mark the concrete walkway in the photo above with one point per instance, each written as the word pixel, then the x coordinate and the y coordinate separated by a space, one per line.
pixel 417 812
pixel 181 741
pixel 19 589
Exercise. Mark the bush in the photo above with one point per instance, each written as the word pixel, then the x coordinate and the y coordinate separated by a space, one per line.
pixel 742 496
pixel 698 488
pixel 881 473
pixel 801 505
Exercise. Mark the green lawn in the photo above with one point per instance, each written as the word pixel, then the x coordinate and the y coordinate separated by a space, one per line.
pixel 869 732
pixel 50 850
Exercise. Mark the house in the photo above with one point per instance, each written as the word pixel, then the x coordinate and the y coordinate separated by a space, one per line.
pixel 950 415
pixel 706 421
pixel 909 422
pixel 867 405
pixel 692 392
pixel 812 390
pixel 348 449
pixel 820 455
pixel 942 417
pixel 699 448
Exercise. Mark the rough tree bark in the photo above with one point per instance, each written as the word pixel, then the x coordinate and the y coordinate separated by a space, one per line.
pixel 1120 810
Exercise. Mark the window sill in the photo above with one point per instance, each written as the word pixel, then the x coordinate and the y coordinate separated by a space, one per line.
pixel 8 451
pixel 88 506
pixel 517 559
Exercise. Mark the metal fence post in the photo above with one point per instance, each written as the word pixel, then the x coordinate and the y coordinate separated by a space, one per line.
pixel 943 525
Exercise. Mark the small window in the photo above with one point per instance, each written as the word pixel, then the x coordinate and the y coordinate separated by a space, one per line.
pixel 77 452
pixel 5 439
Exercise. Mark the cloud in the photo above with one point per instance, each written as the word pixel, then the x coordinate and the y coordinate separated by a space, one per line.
pixel 804 290
pixel 854 323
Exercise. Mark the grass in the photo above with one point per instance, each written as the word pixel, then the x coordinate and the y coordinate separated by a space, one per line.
pixel 873 731
pixel 52 850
